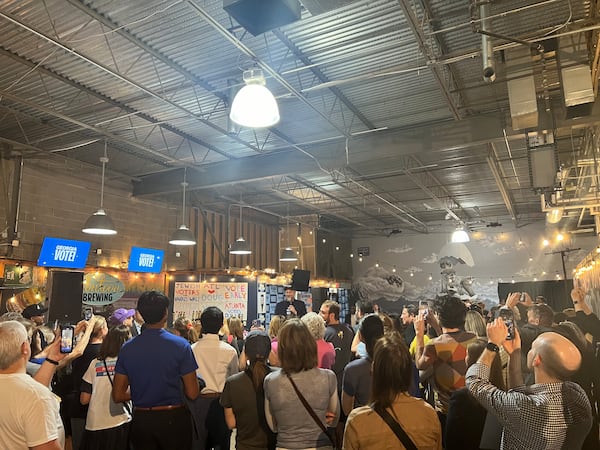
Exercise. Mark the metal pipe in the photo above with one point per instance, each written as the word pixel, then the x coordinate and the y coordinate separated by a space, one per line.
pixel 487 47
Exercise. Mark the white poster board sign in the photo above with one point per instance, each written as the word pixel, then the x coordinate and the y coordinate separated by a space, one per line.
pixel 190 299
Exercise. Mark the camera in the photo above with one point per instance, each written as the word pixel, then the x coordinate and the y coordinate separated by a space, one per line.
pixel 88 312
pixel 67 333
pixel 509 320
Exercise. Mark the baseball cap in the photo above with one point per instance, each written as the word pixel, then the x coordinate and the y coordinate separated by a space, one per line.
pixel 120 315
pixel 34 310
pixel 257 345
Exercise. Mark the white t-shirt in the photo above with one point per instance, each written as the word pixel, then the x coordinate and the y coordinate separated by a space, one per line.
pixel 217 360
pixel 29 414
pixel 98 416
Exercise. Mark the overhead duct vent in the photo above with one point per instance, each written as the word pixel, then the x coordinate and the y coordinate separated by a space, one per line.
pixel 258 16
pixel 521 88
pixel 576 78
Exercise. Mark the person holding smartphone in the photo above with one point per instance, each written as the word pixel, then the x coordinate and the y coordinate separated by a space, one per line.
pixel 553 412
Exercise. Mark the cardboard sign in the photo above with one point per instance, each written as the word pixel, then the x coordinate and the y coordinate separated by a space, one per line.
pixel 190 299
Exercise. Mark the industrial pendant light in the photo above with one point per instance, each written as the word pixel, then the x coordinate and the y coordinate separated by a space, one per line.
pixel 183 235
pixel 460 236
pixel 288 255
pixel 240 246
pixel 254 106
pixel 99 222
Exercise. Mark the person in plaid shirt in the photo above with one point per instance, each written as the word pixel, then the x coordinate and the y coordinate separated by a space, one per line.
pixel 553 413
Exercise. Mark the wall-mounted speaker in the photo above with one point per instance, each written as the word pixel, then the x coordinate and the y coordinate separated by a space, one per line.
pixel 300 280
pixel 65 293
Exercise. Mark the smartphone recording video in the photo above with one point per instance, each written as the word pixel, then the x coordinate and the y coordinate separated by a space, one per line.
pixel 509 320
pixel 88 312
pixel 66 339
pixel 424 307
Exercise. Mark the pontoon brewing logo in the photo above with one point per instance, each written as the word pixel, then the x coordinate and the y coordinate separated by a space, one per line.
pixel 101 289
pixel 146 260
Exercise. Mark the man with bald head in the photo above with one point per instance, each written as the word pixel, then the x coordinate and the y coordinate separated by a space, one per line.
pixel 553 413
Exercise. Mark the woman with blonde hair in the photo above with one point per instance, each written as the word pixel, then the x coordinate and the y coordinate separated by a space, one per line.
pixel 475 323
pixel 299 386
pixel 325 350
pixel 274 326
pixel 236 333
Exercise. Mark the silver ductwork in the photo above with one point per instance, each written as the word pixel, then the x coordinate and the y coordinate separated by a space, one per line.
pixel 521 89
pixel 487 47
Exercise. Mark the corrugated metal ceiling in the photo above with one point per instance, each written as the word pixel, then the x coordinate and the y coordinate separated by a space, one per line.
pixel 367 136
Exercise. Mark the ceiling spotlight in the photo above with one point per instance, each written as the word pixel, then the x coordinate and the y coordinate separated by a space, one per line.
pixel 254 106
pixel 460 236
pixel 554 215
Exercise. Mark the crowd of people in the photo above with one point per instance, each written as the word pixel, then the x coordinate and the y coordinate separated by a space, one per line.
pixel 442 374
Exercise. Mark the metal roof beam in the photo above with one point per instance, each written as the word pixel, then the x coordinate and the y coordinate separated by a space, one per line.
pixel 504 191
pixel 438 72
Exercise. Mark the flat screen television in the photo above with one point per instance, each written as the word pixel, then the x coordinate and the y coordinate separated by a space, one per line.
pixel 148 260
pixel 65 253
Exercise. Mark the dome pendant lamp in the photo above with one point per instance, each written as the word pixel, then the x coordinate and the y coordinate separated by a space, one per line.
pixel 100 223
pixel 240 246
pixel 254 106
pixel 183 235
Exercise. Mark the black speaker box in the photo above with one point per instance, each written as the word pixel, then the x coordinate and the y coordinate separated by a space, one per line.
pixel 65 293
pixel 300 280
pixel 258 16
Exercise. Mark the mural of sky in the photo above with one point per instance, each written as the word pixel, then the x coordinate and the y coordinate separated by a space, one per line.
pixel 496 256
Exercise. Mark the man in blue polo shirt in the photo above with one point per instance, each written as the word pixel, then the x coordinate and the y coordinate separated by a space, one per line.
pixel 154 365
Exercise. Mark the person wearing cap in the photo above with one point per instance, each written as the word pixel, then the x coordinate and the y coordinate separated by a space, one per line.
pixel 290 307
pixel 121 316
pixel 243 396
pixel 35 313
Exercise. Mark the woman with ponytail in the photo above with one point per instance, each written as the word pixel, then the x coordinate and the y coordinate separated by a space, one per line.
pixel 243 396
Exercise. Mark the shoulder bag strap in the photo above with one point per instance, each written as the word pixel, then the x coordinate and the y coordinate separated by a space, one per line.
pixel 397 429
pixel 125 404
pixel 309 409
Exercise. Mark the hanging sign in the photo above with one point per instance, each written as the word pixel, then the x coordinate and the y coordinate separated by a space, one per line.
pixel 190 299
pixel 101 289
pixel 18 276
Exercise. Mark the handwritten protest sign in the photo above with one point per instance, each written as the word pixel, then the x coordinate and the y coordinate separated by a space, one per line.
pixel 190 299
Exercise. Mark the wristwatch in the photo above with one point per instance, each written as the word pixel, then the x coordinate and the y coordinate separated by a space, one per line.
pixel 492 347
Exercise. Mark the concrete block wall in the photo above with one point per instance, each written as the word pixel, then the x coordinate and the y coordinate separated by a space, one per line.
pixel 57 197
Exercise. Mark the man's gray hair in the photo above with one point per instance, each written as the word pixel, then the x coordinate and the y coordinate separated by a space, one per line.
pixel 12 336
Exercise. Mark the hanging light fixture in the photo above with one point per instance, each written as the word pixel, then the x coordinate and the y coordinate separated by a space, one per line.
pixel 288 255
pixel 460 236
pixel 254 106
pixel 183 235
pixel 240 246
pixel 99 222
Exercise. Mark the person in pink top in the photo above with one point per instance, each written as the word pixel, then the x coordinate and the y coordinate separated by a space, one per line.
pixel 325 350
